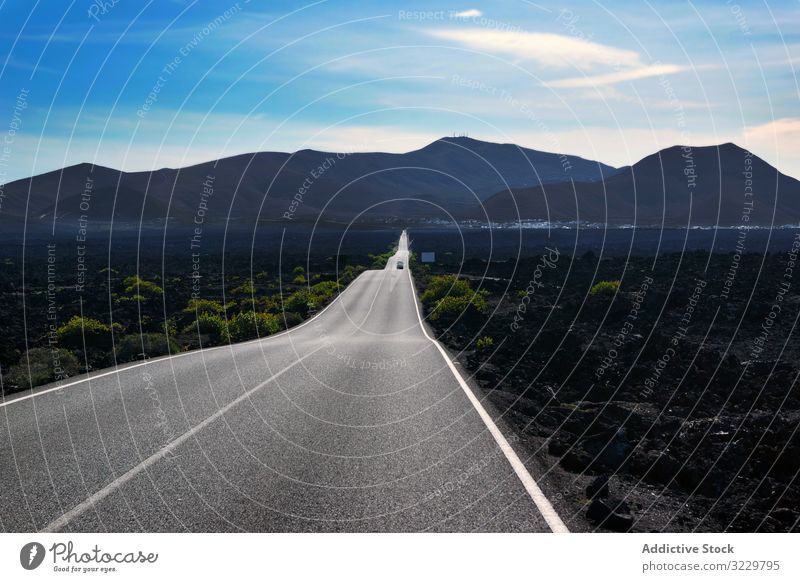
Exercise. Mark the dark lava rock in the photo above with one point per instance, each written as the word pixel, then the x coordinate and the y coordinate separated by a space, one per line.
pixel 656 466
pixel 598 488
pixel 576 460
pixel 609 451
pixel 487 373
pixel 557 447
pixel 605 514
pixel 785 516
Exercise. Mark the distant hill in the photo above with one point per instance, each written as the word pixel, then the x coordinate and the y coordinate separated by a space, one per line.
pixel 677 186
pixel 448 176
pixel 451 178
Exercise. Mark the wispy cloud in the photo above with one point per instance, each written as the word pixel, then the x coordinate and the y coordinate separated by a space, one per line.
pixel 546 49
pixel 25 66
pixel 609 93
pixel 775 130
pixel 562 51
pixel 471 13
pixel 617 76
pixel 778 142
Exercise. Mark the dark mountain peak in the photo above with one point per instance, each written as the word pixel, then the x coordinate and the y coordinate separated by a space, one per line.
pixel 723 149
pixel 463 140
pixel 450 144
pixel 676 186
pixel 310 152
pixel 86 169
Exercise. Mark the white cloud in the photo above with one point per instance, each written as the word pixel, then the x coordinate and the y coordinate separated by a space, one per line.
pixel 471 13
pixel 609 94
pixel 546 49
pixel 560 51
pixel 775 131
pixel 778 142
pixel 616 76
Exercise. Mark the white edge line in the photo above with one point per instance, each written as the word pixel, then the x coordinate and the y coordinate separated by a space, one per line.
pixel 198 352
pixel 537 495
pixel 98 496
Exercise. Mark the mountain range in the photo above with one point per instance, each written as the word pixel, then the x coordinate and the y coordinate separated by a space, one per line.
pixel 721 185
pixel 455 178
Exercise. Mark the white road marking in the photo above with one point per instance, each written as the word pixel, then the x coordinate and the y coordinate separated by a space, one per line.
pixel 537 495
pixel 88 503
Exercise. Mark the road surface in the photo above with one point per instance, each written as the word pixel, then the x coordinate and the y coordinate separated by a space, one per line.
pixel 354 421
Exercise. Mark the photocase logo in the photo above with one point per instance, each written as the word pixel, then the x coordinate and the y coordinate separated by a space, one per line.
pixel 31 555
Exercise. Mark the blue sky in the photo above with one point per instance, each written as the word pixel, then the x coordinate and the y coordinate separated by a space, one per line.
pixel 138 85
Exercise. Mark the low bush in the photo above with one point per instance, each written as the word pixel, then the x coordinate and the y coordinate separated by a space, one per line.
pixel 204 306
pixel 212 325
pixel 604 288
pixel 39 366
pixel 135 285
pixel 452 307
pixel 485 343
pixel 78 330
pixel 289 319
pixel 245 289
pixel 440 286
pixel 250 325
pixel 325 289
pixel 298 302
pixel 138 346
pixel 451 297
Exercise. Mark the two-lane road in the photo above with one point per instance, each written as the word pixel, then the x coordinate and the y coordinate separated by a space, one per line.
pixel 355 421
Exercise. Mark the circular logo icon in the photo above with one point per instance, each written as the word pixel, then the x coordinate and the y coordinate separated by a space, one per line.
pixel 31 555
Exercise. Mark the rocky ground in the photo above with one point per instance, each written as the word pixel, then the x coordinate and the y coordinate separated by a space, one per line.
pixel 670 402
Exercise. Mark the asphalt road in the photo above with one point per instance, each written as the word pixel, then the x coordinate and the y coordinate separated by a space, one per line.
pixel 354 421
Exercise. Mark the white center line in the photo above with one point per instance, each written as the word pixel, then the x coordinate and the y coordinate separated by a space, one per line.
pixel 76 511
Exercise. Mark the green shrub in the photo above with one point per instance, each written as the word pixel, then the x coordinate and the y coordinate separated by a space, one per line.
pixel 299 280
pixel 298 302
pixel 485 343
pixel 604 288
pixel 250 325
pixel 299 270
pixel 379 261
pixel 95 333
pixel 289 319
pixel 138 286
pixel 132 347
pixel 212 325
pixel 324 291
pixel 451 297
pixel 267 304
pixel 346 275
pixel 246 288
pixel 451 307
pixel 440 286
pixel 46 365
pixel 204 306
